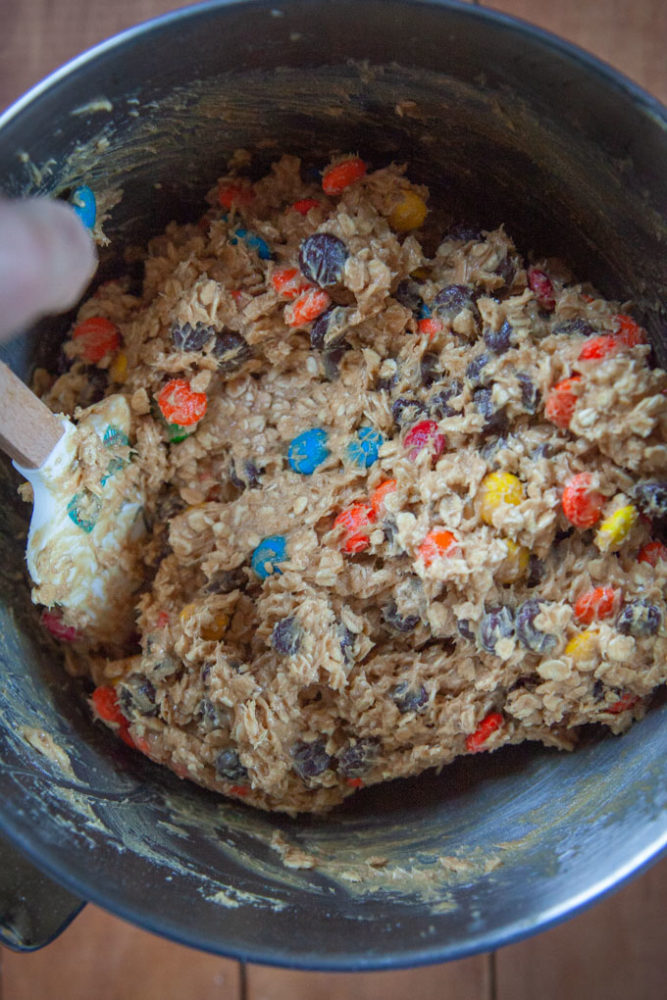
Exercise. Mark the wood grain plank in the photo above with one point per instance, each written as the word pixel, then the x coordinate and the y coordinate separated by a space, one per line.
pixel 38 36
pixel 468 979
pixel 628 34
pixel 100 957
pixel 614 951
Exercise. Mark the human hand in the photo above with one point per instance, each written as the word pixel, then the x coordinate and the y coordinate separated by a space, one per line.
pixel 47 258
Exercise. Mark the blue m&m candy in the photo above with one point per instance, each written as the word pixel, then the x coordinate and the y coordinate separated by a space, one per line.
pixel 85 206
pixel 114 437
pixel 308 450
pixel 253 241
pixel 364 447
pixel 271 550
pixel 84 509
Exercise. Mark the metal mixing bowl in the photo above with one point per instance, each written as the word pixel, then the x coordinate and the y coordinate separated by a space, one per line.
pixel 505 124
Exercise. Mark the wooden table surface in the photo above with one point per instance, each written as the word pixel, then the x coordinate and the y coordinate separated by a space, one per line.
pixel 614 951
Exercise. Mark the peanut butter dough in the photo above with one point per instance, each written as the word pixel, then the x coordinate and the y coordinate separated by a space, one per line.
pixel 357 560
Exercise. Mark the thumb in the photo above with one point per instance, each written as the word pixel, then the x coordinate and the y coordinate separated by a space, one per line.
pixel 47 258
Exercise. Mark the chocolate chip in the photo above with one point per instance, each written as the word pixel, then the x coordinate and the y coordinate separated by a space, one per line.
pixel 310 759
pixel 639 618
pixel 430 369
pixel 499 341
pixel 249 476
pixel 228 765
pixel 438 403
pixel 286 636
pixel 322 258
pixel 544 450
pixel 406 411
pixel 651 498
pixel 475 369
pixel 531 637
pixel 464 625
pixel 328 330
pixel 212 715
pixel 358 757
pixel 491 449
pixel 397 621
pixel 453 299
pixel 390 529
pixel 496 624
pixel 409 699
pixel 231 350
pixel 136 696
pixel 494 419
pixel 530 394
pixel 347 640
pixel 408 294
pixel 189 338
pixel 507 269
pixel 571 327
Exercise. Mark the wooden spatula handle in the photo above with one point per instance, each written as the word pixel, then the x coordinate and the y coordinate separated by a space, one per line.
pixel 28 430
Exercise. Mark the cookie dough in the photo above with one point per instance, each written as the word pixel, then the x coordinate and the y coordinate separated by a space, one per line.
pixel 403 491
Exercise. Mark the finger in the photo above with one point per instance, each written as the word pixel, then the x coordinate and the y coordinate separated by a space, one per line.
pixel 47 258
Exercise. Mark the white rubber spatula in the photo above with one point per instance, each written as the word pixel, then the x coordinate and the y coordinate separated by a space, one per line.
pixel 83 550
